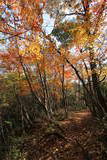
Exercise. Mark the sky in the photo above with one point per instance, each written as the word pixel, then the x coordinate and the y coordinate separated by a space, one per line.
pixel 48 23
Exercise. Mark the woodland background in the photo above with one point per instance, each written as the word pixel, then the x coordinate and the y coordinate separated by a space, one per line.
pixel 53 67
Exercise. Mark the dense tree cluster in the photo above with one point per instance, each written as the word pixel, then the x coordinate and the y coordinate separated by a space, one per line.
pixel 44 73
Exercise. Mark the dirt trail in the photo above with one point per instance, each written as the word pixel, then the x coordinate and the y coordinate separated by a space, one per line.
pixel 75 143
pixel 77 117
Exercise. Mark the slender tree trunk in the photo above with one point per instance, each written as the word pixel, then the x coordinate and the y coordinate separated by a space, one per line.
pixel 45 92
pixel 21 109
pixel 94 100
pixel 96 83
pixel 37 101
pixel 63 91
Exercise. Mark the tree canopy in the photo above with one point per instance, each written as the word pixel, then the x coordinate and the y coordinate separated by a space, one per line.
pixel 43 73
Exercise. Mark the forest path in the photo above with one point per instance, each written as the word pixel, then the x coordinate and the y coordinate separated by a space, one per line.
pixel 76 142
pixel 77 117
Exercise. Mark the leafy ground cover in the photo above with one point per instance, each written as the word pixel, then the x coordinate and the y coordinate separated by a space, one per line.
pixel 78 138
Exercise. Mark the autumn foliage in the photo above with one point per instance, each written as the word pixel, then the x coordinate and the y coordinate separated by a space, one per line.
pixel 53 59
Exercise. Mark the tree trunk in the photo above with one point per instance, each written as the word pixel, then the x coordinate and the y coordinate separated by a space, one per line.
pixel 96 84
pixel 63 91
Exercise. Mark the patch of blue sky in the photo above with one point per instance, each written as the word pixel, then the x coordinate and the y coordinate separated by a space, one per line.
pixel 4 43
pixel 48 23
pixel 72 18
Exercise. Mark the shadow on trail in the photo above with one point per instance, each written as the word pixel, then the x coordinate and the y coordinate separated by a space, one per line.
pixel 78 142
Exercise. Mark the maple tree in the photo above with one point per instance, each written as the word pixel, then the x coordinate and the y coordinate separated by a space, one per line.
pixel 46 75
pixel 21 30
pixel 84 35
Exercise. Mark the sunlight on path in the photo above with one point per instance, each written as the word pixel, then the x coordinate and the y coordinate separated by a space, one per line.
pixel 76 117
pixel 79 116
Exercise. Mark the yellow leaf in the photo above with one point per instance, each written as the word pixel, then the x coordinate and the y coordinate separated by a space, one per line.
pixel 21 52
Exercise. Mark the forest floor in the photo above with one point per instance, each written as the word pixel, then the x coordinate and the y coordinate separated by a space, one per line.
pixel 77 138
